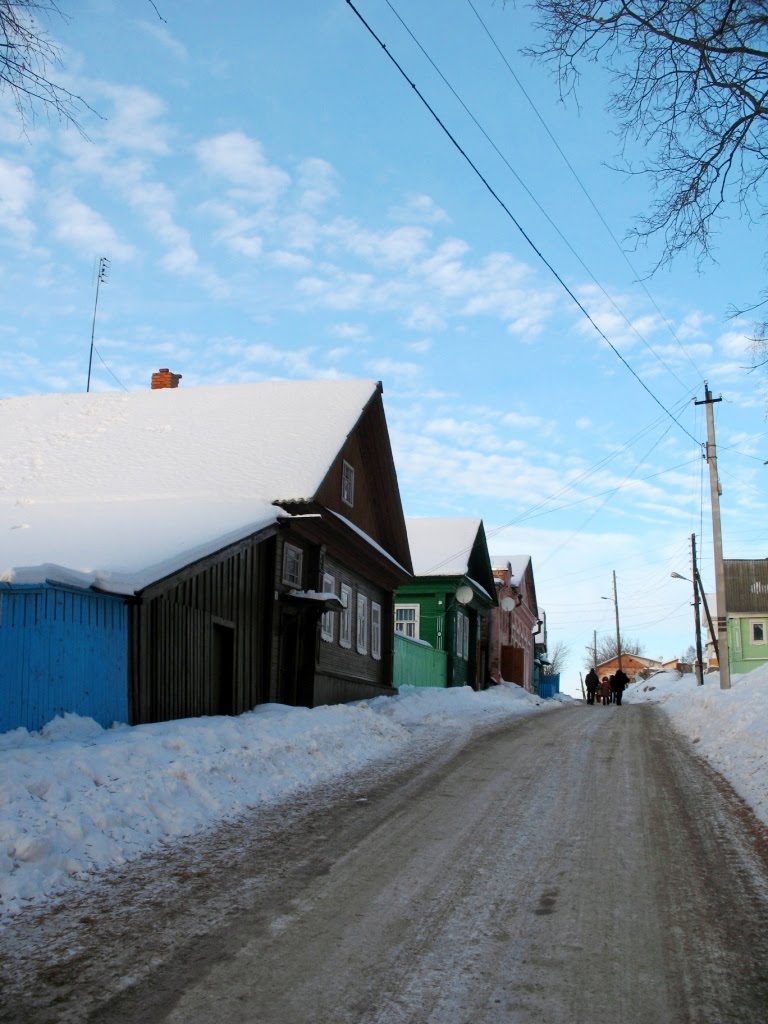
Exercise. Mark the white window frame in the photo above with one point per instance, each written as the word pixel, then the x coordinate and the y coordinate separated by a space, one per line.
pixel 375 631
pixel 345 617
pixel 415 621
pixel 348 483
pixel 462 635
pixel 292 580
pixel 762 626
pixel 328 618
pixel 362 624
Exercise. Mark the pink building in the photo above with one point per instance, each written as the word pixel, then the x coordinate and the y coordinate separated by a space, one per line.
pixel 513 625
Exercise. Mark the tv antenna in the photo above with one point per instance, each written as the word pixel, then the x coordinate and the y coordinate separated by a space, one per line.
pixel 102 277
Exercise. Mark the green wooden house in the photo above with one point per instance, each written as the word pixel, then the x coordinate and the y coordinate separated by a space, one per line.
pixel 445 605
pixel 746 598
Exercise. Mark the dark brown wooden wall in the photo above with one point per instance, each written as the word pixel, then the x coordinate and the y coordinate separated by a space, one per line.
pixel 345 665
pixel 177 630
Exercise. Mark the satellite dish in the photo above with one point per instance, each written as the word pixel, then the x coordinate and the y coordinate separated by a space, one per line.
pixel 464 594
pixel 508 604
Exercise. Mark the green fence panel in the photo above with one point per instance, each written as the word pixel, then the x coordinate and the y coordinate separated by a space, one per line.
pixel 418 664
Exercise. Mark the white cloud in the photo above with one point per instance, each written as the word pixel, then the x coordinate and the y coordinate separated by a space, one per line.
pixel 356 331
pixel 394 369
pixel 17 189
pixel 420 208
pixel 736 343
pixel 135 121
pixel 317 183
pixel 161 35
pixel 240 160
pixel 83 228
pixel 693 325
pixel 290 261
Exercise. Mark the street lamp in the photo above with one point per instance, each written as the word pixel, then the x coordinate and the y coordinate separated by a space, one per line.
pixel 616 609
pixel 697 621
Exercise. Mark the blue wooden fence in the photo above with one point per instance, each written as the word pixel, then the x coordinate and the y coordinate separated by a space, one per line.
pixel 549 686
pixel 61 650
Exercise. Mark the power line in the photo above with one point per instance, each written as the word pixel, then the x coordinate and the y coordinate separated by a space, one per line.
pixel 583 188
pixel 536 202
pixel 515 221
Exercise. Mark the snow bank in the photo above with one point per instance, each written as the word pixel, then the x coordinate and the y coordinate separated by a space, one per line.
pixel 77 799
pixel 728 727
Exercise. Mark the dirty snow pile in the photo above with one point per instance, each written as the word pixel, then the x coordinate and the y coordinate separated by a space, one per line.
pixel 728 727
pixel 77 799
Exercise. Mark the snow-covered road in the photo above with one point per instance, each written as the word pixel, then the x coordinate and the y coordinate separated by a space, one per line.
pixel 579 866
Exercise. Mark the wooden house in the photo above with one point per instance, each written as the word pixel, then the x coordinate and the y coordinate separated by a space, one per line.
pixel 218 547
pixel 447 602
pixel 635 665
pixel 746 601
pixel 513 624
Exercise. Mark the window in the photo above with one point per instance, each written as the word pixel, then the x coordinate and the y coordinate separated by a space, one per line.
pixel 326 623
pixel 348 484
pixel 407 620
pixel 362 624
pixel 292 565
pixel 375 631
pixel 345 619
pixel 462 635
pixel 758 632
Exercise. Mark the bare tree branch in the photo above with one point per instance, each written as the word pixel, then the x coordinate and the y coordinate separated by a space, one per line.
pixel 28 56
pixel 690 84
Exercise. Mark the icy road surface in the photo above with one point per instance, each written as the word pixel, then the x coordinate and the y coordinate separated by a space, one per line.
pixel 581 867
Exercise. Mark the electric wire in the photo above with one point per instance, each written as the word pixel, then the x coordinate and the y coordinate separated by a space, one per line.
pixel 489 188
pixel 109 371
pixel 638 277
pixel 538 205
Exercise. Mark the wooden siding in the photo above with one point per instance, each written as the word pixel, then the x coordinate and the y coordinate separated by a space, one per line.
pixel 61 651
pixel 181 628
pixel 419 665
pixel 377 508
pixel 347 664
pixel 746 586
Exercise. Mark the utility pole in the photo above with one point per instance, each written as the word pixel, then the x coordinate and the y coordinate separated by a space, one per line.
pixel 717 541
pixel 696 616
pixel 616 609
pixel 594 648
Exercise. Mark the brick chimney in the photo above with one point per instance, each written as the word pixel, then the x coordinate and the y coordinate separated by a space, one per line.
pixel 165 379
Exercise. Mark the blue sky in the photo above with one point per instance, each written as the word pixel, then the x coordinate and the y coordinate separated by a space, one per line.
pixel 277 202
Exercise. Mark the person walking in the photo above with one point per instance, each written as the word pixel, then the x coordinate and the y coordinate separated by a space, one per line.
pixel 605 690
pixel 620 683
pixel 592 683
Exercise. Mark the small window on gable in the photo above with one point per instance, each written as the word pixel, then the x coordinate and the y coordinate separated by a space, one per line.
pixel 345 618
pixel 758 632
pixel 375 631
pixel 328 619
pixel 348 484
pixel 292 558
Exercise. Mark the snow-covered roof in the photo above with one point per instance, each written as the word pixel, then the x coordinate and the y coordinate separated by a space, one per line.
pixel 121 489
pixel 439 546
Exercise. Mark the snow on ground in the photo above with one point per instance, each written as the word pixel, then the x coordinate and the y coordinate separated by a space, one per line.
pixel 728 727
pixel 76 799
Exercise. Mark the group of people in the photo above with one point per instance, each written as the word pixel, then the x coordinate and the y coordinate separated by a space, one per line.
pixel 607 690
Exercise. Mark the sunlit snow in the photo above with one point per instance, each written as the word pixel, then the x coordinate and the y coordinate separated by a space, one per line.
pixel 77 799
